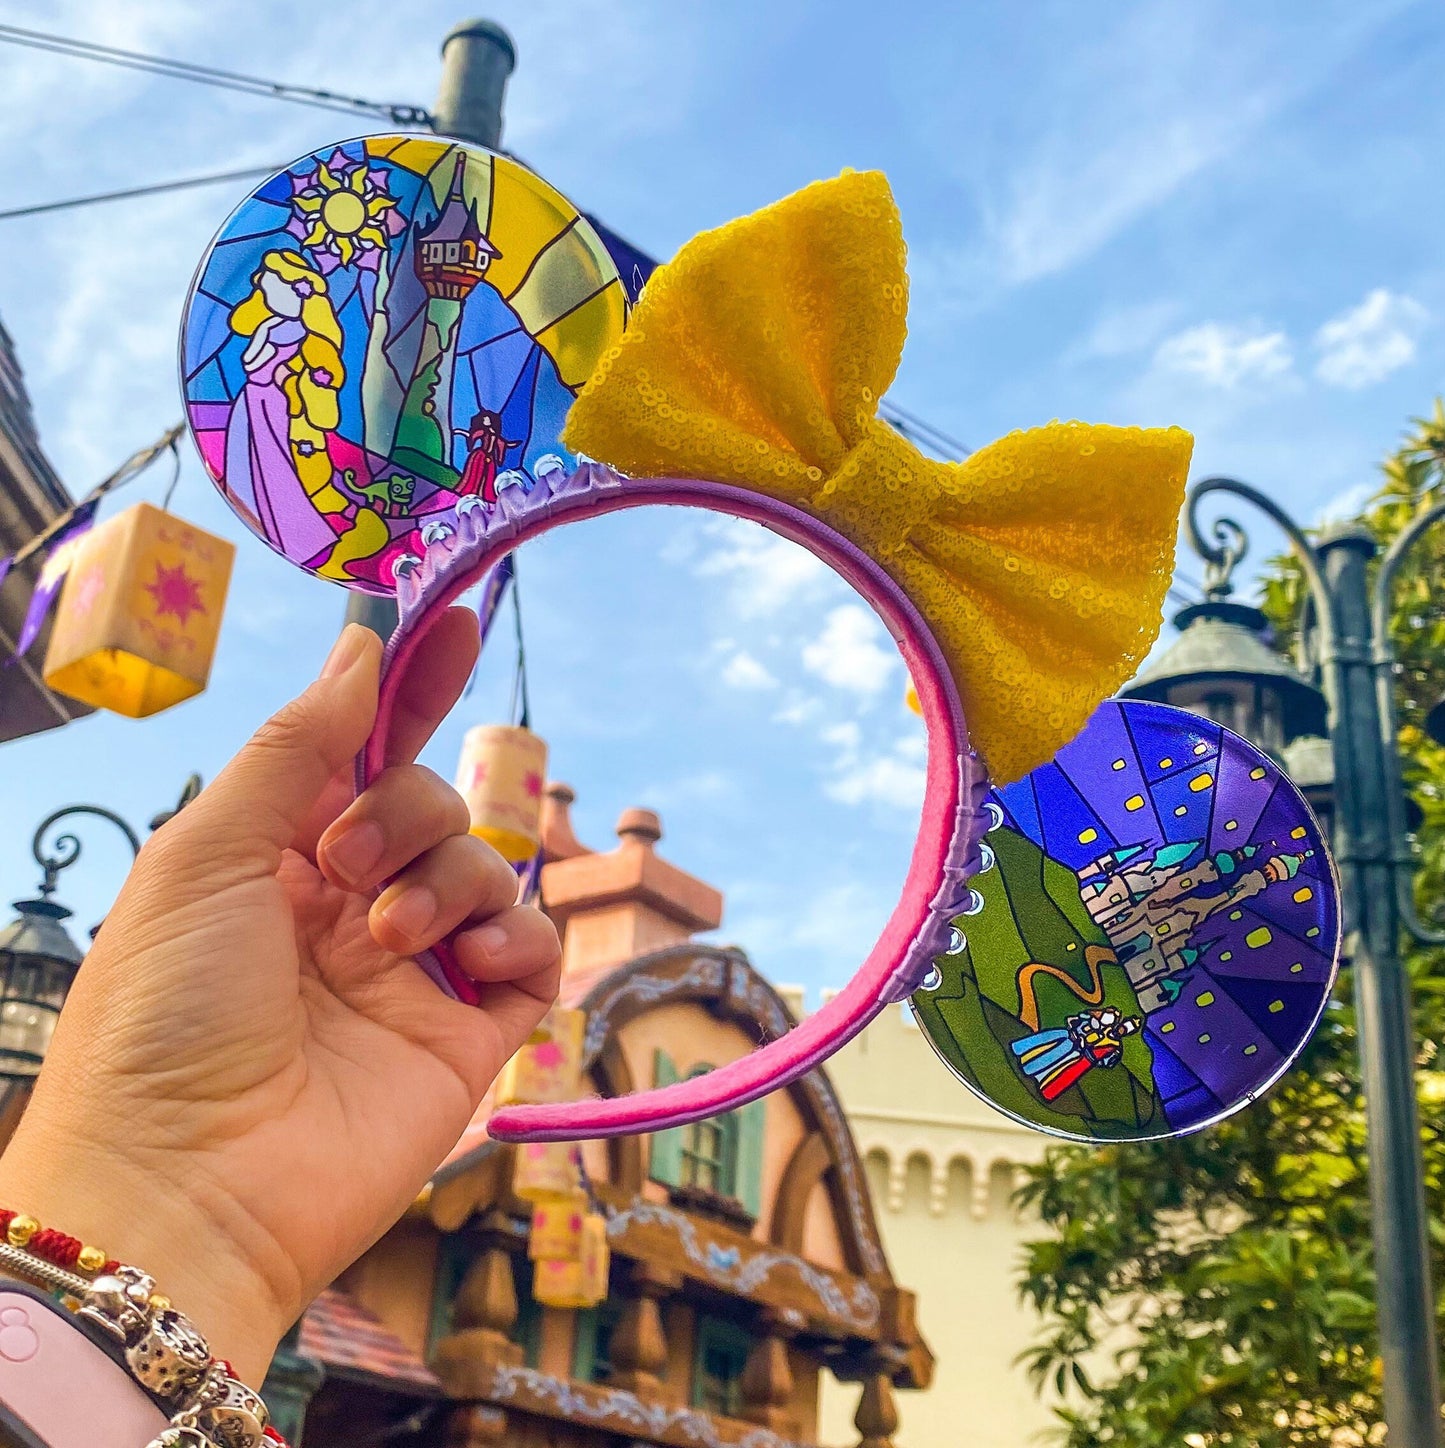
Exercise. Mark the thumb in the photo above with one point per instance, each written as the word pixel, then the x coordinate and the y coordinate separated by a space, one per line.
pixel 255 807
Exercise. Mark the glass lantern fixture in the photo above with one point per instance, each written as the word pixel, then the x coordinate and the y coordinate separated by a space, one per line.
pixel 38 961
pixel 38 957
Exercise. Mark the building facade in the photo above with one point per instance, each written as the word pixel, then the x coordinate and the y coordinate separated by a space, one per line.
pixel 942 1168
pixel 747 1265
pixel 31 498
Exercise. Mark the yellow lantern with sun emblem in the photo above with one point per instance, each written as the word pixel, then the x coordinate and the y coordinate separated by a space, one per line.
pixel 546 1171
pixel 136 627
pixel 558 1228
pixel 548 1067
pixel 500 776
pixel 579 1281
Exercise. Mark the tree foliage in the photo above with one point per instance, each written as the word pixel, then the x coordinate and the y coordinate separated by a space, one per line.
pixel 1217 1291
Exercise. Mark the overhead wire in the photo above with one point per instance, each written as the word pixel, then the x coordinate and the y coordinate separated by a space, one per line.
pixel 127 472
pixel 69 204
pixel 212 76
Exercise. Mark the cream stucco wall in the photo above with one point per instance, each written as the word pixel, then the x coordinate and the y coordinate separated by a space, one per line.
pixel 942 1168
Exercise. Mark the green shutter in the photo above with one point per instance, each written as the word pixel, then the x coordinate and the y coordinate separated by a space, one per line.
pixel 748 1168
pixel 584 1347
pixel 665 1154
pixel 454 1257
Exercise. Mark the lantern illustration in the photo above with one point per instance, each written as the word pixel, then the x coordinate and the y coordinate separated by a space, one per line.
pixel 547 1171
pixel 500 776
pixel 579 1281
pixel 549 1067
pixel 140 612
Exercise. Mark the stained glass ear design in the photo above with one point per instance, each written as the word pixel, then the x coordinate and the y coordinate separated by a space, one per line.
pixel 1153 938
pixel 382 331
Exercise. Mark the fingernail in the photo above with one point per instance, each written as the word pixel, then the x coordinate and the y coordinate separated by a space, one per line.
pixel 345 651
pixel 411 912
pixel 490 939
pixel 355 852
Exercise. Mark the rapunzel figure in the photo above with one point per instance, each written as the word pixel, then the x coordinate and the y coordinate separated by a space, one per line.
pixel 280 423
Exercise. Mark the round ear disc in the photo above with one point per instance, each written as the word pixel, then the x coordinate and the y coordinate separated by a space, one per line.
pixel 382 330
pixel 1153 937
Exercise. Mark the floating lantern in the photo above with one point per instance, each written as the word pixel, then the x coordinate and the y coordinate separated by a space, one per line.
pixel 138 618
pixel 557 1229
pixel 500 776
pixel 547 1171
pixel 549 1067
pixel 578 1282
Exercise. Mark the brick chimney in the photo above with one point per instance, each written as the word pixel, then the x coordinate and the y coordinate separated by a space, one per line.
pixel 628 902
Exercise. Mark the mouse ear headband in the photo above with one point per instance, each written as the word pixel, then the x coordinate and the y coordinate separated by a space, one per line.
pixel 380 353
pixel 1023 585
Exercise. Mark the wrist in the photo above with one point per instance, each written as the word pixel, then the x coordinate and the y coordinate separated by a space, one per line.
pixel 174 1230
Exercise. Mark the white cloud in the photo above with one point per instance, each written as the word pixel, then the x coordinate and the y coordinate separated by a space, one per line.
pixel 893 776
pixel 1367 343
pixel 1124 331
pixel 798 709
pixel 743 671
pixel 1103 128
pixel 887 780
pixel 765 574
pixel 847 654
pixel 1346 505
pixel 1224 356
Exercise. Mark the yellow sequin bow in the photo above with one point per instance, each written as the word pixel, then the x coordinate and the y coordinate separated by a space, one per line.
pixel 757 357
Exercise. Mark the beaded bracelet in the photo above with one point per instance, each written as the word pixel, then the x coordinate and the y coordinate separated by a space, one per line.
pixel 209 1406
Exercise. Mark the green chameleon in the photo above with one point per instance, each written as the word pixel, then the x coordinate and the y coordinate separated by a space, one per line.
pixel 389 496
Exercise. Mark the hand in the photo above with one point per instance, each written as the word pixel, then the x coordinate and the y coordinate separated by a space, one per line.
pixel 252 1079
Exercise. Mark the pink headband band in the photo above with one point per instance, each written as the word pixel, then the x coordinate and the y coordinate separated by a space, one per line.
pixel 945 855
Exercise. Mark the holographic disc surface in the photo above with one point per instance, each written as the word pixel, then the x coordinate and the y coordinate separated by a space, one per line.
pixel 1155 936
pixel 383 328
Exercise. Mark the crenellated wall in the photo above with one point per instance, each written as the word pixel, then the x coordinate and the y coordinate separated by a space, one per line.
pixel 942 1167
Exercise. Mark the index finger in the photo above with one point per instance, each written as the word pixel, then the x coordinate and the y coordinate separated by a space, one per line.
pixel 434 680
pixel 431 685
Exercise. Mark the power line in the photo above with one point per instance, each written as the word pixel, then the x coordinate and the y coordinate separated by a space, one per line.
pixel 401 115
pixel 909 424
pixel 921 431
pixel 130 191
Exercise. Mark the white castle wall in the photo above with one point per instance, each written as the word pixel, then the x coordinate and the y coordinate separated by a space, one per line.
pixel 942 1168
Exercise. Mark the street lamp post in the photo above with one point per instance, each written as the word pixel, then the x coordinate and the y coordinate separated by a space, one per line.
pixel 1352 652
pixel 38 958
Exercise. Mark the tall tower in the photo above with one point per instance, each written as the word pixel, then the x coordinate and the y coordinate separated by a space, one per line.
pixel 450 254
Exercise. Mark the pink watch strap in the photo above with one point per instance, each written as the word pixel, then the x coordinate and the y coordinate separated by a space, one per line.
pixel 944 857
pixel 61 1389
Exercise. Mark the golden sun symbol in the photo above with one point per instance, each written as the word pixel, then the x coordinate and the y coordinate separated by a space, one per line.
pixel 342 214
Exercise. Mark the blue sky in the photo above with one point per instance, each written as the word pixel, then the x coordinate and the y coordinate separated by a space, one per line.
pixel 1224 216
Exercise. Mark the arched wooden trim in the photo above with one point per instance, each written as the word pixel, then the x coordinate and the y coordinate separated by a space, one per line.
pixel 724 982
pixel 803 1172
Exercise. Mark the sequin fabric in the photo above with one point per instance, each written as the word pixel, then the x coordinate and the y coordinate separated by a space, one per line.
pixel 757 357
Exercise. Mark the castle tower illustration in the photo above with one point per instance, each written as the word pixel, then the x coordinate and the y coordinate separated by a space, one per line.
pixel 451 254
pixel 1150 907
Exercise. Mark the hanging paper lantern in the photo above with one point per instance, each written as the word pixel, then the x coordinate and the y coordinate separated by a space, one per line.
pixel 578 1282
pixel 549 1067
pixel 557 1228
pixel 140 612
pixel 547 1171
pixel 500 776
